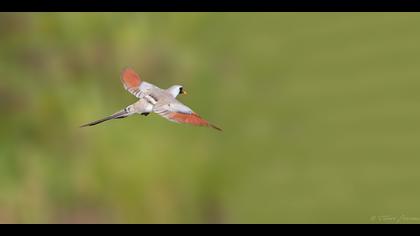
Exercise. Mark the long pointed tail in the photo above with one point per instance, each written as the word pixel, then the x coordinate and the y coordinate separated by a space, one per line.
pixel 118 115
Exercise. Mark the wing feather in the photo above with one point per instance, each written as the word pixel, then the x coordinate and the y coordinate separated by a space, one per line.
pixel 179 113
pixel 134 84
pixel 130 79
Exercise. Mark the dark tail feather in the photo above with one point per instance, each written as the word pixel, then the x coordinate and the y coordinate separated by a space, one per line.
pixel 118 115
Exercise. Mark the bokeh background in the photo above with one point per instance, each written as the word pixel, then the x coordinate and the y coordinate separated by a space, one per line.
pixel 320 113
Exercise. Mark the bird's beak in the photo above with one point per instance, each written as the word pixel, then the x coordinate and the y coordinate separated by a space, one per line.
pixel 184 92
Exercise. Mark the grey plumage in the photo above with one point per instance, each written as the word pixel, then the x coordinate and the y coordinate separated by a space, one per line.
pixel 154 99
pixel 117 115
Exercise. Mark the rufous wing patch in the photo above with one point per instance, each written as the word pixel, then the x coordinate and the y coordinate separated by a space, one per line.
pixel 130 78
pixel 192 118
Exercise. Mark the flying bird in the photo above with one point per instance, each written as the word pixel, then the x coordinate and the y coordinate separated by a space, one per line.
pixel 154 99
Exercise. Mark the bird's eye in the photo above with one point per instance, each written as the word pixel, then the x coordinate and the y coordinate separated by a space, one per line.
pixel 181 90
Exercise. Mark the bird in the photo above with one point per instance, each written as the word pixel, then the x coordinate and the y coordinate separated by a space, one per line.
pixel 152 99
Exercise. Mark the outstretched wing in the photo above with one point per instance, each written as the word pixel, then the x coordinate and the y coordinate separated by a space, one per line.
pixel 177 112
pixel 133 83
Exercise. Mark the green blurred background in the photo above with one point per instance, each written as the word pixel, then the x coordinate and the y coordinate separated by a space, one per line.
pixel 320 113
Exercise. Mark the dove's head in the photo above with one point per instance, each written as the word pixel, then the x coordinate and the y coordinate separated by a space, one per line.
pixel 176 90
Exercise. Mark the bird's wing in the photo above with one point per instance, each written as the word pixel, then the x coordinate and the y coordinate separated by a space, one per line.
pixel 133 83
pixel 175 111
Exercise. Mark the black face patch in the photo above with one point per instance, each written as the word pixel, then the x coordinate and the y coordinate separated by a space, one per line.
pixel 181 90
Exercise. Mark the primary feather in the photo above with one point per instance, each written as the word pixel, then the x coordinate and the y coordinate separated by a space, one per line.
pixel 154 99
